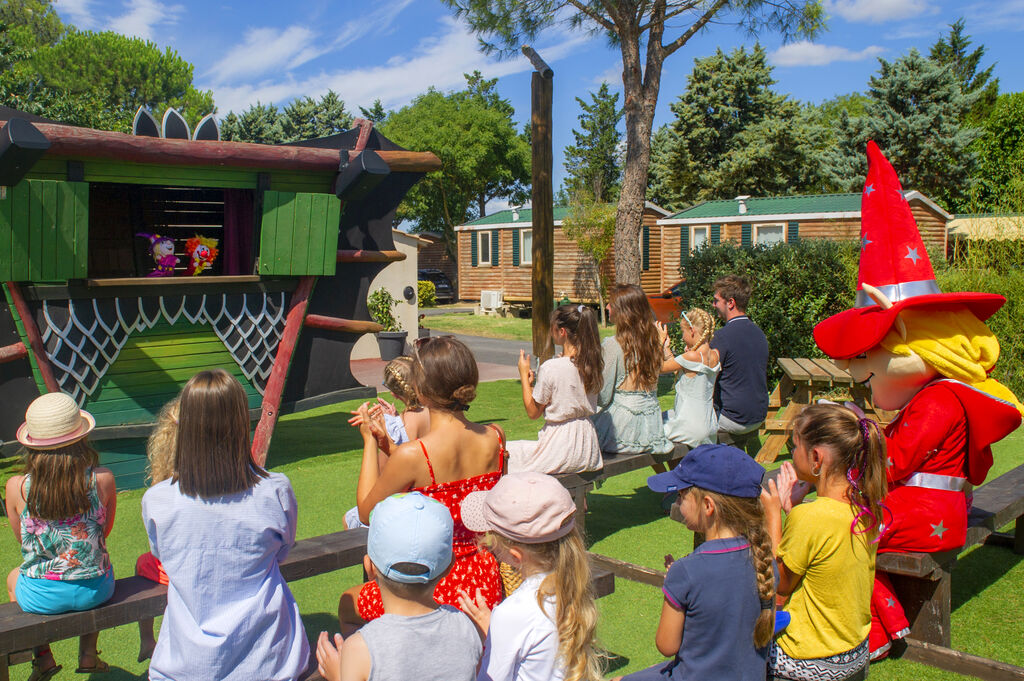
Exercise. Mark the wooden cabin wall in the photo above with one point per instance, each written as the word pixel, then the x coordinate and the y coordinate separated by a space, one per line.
pixel 650 278
pixel 845 229
pixel 931 225
pixel 433 255
pixel 670 264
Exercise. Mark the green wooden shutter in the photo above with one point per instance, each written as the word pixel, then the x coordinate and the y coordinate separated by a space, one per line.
pixel 44 231
pixel 647 247
pixel 684 244
pixel 495 240
pixel 716 234
pixel 747 236
pixel 299 233
pixel 793 232
pixel 473 257
pixel 515 248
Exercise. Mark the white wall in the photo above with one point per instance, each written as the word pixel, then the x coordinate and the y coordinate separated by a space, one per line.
pixel 395 277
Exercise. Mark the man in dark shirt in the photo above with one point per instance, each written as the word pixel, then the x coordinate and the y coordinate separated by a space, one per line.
pixel 741 393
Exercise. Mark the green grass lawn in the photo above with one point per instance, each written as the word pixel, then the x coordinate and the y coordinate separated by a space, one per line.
pixel 508 328
pixel 320 453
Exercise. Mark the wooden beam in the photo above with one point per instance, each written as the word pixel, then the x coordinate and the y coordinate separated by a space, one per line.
pixel 961 663
pixel 630 571
pixel 543 216
pixel 319 321
pixel 35 341
pixel 73 142
pixel 142 282
pixel 279 373
pixel 345 255
pixel 9 353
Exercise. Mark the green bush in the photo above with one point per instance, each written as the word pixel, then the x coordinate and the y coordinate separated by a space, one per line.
pixel 427 293
pixel 794 286
pixel 381 305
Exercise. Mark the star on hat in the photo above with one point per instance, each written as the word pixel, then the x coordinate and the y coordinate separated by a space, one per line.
pixel 896 265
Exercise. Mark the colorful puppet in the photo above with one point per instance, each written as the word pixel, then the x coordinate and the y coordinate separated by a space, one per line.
pixel 928 355
pixel 162 250
pixel 202 251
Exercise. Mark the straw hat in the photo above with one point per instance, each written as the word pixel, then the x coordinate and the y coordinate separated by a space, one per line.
pixel 53 420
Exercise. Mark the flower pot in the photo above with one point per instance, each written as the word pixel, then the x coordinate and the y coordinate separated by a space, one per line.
pixel 391 344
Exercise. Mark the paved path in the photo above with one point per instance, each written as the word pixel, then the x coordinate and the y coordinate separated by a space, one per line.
pixel 434 311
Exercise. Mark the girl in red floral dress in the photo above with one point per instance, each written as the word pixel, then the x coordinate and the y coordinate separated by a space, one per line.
pixel 454 458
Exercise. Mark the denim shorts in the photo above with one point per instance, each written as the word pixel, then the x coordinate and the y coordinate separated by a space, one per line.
pixel 54 596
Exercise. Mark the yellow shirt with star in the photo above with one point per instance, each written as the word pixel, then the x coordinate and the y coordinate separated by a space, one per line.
pixel 831 606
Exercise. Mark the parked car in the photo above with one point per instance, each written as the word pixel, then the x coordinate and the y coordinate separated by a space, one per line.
pixel 444 290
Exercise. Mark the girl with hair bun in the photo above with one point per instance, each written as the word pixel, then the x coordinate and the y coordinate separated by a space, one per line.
pixel 692 421
pixel 454 458
pixel 565 394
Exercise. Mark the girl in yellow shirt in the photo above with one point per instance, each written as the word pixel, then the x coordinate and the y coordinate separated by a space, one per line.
pixel 826 555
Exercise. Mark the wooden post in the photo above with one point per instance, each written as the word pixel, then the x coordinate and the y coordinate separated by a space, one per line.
pixel 542 202
pixel 35 341
pixel 279 373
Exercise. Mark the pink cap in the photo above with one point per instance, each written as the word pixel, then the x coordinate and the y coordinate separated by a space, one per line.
pixel 531 508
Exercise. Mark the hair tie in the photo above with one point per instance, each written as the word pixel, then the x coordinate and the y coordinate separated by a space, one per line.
pixel 767 604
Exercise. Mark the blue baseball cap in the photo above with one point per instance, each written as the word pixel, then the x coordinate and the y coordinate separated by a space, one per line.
pixel 410 538
pixel 716 468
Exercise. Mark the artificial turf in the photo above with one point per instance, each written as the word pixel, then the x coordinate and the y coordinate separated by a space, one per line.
pixel 320 453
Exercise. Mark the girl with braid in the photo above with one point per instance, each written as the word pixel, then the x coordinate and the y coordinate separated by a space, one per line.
pixel 718 615
pixel 692 421
pixel 826 554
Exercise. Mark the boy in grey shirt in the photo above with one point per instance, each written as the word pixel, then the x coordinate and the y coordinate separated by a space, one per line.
pixel 409 550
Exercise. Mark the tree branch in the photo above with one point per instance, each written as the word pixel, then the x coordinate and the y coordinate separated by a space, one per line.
pixel 594 15
pixel 685 7
pixel 697 25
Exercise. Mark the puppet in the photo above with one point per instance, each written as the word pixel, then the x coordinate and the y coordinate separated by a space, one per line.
pixel 928 355
pixel 202 251
pixel 161 248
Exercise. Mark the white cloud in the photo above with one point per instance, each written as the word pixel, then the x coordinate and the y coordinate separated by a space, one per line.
pixel 376 22
pixel 806 53
pixel 143 16
pixel 1001 16
pixel 612 75
pixel 437 61
pixel 264 50
pixel 76 12
pixel 879 11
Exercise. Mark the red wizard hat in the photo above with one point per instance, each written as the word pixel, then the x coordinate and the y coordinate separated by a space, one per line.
pixel 894 261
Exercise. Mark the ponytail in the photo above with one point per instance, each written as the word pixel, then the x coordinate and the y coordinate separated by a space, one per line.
pixel 580 324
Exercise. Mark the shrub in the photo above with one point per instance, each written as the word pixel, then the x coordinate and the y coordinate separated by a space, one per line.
pixel 426 292
pixel 794 286
pixel 381 305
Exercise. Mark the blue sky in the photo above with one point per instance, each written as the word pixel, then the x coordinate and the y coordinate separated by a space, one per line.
pixel 272 51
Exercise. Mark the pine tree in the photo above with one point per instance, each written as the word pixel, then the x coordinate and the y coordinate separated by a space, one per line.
pixel 952 51
pixel 593 161
pixel 915 116
pixel 306 118
pixel 376 114
pixel 259 123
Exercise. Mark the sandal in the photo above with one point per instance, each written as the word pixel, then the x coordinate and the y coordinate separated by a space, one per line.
pixel 43 674
pixel 100 667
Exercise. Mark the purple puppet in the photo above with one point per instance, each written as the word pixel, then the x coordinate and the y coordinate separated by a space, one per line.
pixel 162 250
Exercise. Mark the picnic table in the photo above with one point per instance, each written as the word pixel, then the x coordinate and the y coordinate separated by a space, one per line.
pixel 803 379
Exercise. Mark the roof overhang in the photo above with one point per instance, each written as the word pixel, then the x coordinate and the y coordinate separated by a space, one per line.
pixel 522 224
pixel 751 219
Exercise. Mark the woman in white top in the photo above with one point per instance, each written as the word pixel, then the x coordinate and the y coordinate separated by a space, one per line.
pixel 692 421
pixel 565 394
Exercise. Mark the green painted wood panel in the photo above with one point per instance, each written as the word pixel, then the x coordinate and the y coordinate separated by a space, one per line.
pixel 299 234
pixel 5 237
pixel 66 237
pixel 716 234
pixel 153 367
pixel 35 229
pixel 80 197
pixel 684 244
pixel 515 248
pixel 44 231
pixel 49 219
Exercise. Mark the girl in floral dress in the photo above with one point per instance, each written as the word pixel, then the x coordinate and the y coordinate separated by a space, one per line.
pixel 61 510
pixel 454 458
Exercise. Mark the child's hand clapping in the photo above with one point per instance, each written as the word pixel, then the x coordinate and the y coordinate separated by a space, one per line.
pixel 328 656
pixel 525 372
pixel 791 490
pixel 477 611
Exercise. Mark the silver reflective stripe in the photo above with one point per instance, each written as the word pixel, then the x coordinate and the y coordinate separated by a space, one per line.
pixel 900 291
pixel 935 481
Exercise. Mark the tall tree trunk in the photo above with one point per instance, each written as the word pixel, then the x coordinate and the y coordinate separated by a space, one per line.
pixel 481 202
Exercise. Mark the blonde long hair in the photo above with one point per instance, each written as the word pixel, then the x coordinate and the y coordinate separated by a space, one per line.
pixel 699 318
pixel 637 335
pixel 746 517
pixel 569 582
pixel 160 447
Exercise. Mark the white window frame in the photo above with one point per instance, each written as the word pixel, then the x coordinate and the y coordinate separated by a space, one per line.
pixel 757 230
pixel 480 248
pixel 525 254
pixel 693 235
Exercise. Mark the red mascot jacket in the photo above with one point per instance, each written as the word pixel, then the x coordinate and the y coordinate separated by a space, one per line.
pixel 946 429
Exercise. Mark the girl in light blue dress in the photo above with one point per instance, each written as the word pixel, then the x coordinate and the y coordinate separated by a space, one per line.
pixel 692 421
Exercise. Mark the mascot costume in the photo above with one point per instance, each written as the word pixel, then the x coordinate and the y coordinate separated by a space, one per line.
pixel 928 355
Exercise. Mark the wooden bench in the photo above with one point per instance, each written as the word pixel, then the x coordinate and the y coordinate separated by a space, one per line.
pixel 137 598
pixel 579 484
pixel 801 380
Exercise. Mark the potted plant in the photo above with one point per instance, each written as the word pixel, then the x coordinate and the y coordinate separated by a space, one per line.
pixel 391 339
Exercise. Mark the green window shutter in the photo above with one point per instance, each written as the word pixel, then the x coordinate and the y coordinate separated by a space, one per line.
pixel 747 236
pixel 515 248
pixel 647 247
pixel 495 240
pixel 793 232
pixel 716 234
pixel 684 244
pixel 44 231
pixel 472 249
pixel 299 233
